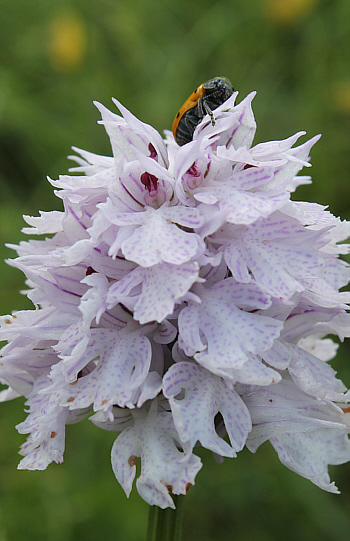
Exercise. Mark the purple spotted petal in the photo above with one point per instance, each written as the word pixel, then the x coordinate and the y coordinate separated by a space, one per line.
pixel 162 286
pixel 123 362
pixel 194 413
pixel 164 469
pixel 308 434
pixel 309 454
pixel 222 332
pixel 315 376
pixel 160 239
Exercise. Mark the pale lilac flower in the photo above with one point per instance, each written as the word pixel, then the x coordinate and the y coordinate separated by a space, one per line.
pixel 183 298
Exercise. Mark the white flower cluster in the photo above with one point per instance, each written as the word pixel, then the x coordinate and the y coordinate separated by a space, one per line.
pixel 183 298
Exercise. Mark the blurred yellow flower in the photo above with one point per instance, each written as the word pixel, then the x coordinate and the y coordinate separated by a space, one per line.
pixel 67 41
pixel 341 96
pixel 286 11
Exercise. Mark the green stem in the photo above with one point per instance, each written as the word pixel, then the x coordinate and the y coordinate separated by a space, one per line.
pixel 166 524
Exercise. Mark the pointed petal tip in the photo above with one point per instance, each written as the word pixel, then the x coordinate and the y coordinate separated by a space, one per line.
pixel 119 105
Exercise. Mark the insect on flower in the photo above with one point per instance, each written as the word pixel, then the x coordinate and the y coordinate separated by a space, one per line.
pixel 207 97
pixel 181 296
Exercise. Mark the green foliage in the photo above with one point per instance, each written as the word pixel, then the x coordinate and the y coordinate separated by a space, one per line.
pixel 55 58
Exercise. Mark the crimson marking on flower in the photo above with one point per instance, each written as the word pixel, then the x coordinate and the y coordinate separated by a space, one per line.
pixel 53 435
pixel 149 181
pixel 170 488
pixel 187 487
pixel 193 170
pixel 346 410
pixel 153 152
pixel 8 322
pixel 71 399
pixel 132 460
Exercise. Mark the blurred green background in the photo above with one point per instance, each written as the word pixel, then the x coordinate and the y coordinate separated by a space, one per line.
pixel 55 58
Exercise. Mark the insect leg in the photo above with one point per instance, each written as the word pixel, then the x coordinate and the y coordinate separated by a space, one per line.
pixel 209 112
